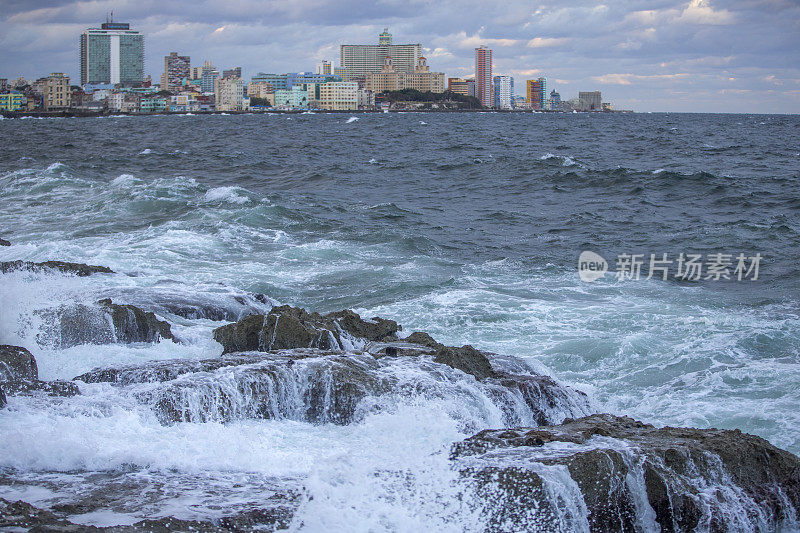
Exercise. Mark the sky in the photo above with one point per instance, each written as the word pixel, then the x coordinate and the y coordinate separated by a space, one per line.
pixel 660 55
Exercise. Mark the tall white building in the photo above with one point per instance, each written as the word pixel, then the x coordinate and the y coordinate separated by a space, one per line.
pixel 503 92
pixel 112 54
pixel 229 94
pixel 359 59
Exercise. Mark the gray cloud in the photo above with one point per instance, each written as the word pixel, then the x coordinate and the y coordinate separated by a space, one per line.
pixel 694 55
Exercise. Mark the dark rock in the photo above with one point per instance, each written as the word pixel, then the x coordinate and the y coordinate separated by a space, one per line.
pixel 712 479
pixel 422 338
pixel 132 324
pixel 51 388
pixel 324 389
pixel 467 359
pixel 4 242
pixel 391 351
pixel 3 400
pixel 79 269
pixel 288 327
pixel 19 375
pixel 22 516
pixel 17 364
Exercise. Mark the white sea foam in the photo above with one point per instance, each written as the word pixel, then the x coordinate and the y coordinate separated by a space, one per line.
pixel 226 194
pixel 146 151
pixel 351 120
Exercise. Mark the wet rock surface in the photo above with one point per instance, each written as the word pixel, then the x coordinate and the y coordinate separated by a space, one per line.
pixel 19 375
pixel 103 323
pixel 17 364
pixel 132 324
pixel 21 516
pixel 467 359
pixel 291 327
pixel 4 242
pixel 631 476
pixel 78 269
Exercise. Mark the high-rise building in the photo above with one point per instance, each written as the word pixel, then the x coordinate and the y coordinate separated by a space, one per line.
pixel 112 54
pixel 229 94
pixel 503 92
pixel 324 68
pixel 483 76
pixel 537 93
pixel 590 101
pixel 357 60
pixel 56 91
pixel 555 100
pixel 209 78
pixel 176 70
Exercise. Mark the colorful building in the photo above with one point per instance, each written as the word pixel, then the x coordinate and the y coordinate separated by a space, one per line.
pixel 483 76
pixel 537 93
pixel 12 101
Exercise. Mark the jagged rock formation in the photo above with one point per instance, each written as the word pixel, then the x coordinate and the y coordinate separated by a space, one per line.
pixel 288 327
pixel 623 475
pixel 291 327
pixel 79 269
pixel 4 242
pixel 17 364
pixel 132 324
pixel 21 516
pixel 325 386
pixel 19 375
pixel 103 323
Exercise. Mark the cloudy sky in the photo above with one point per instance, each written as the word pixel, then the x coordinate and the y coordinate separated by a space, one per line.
pixel 660 55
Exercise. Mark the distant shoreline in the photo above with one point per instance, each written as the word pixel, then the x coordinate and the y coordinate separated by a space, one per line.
pixel 94 114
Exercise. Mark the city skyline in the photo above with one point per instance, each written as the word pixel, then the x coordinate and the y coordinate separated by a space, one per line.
pixel 676 56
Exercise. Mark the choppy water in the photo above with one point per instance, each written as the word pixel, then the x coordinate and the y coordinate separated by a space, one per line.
pixel 467 226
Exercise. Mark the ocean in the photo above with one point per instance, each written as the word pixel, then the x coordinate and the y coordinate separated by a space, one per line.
pixel 467 226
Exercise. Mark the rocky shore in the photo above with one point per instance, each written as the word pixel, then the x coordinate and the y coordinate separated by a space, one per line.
pixel 555 464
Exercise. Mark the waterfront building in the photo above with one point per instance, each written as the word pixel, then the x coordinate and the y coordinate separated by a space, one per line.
pixel 389 79
pixel 503 92
pixel 324 68
pixel 338 95
pixel 229 94
pixel 287 81
pixel 56 92
pixel 177 70
pixel 537 93
pixel 590 101
pixel 366 99
pixel 293 98
pixel 357 60
pixel 260 89
pixel 555 100
pixel 483 76
pixel 153 104
pixel 112 54
pixel 461 86
pixel 12 101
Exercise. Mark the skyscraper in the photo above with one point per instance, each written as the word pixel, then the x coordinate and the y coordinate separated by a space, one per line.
pixel 483 76
pixel 176 69
pixel 359 59
pixel 112 54
pixel 590 100
pixel 503 92
pixel 537 93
